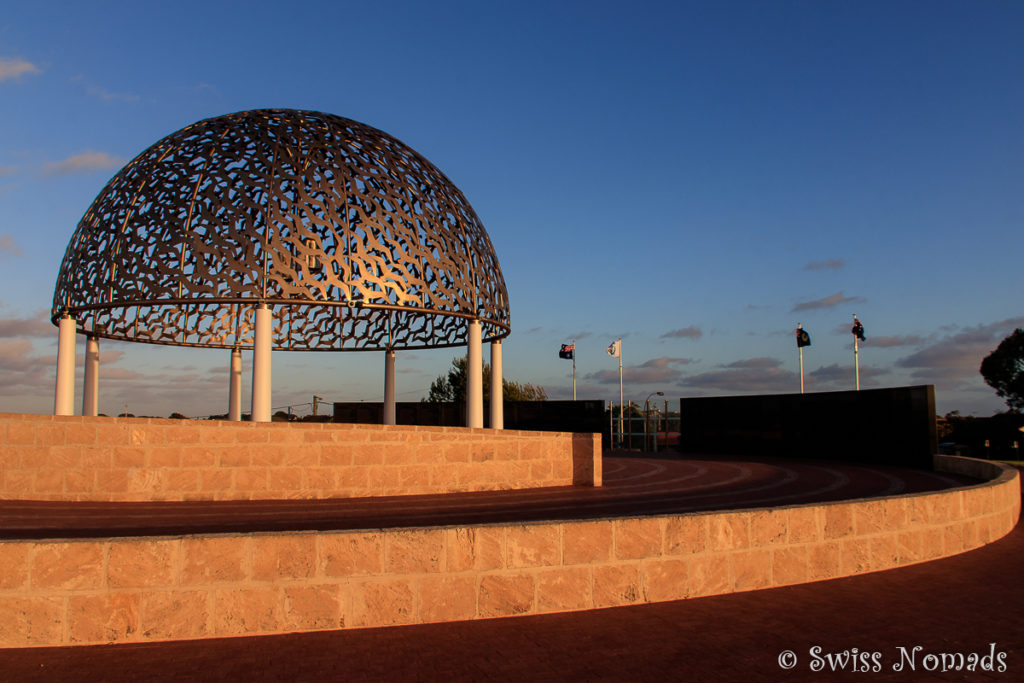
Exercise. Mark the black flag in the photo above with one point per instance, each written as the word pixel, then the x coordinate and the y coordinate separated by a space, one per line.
pixel 858 330
pixel 802 338
pixel 567 351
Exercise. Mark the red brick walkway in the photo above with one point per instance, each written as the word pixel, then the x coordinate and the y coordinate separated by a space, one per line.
pixel 634 485
pixel 957 605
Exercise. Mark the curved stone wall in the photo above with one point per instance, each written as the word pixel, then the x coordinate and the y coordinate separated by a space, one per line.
pixel 45 457
pixel 61 592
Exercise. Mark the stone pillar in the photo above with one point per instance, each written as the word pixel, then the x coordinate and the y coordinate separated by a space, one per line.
pixel 235 386
pixel 474 378
pixel 497 388
pixel 91 388
pixel 389 387
pixel 261 364
pixel 64 395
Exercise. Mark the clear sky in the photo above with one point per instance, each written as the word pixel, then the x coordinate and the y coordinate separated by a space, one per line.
pixel 694 177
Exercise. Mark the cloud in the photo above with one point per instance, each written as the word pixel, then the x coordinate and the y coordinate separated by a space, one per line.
pixel 656 370
pixel 581 335
pixel 960 354
pixel 889 342
pixel 8 248
pixel 38 325
pixel 8 170
pixel 745 380
pixel 16 68
pixel 846 375
pixel 107 96
pixel 690 332
pixel 827 264
pixel 85 162
pixel 828 302
pixel 759 363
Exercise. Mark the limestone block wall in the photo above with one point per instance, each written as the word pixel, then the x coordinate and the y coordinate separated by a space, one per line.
pixel 63 592
pixel 44 457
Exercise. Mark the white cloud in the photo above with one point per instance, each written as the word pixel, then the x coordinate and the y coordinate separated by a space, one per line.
pixel 827 264
pixel 690 332
pixel 828 302
pixel 15 68
pixel 38 325
pixel 84 162
pixel 8 247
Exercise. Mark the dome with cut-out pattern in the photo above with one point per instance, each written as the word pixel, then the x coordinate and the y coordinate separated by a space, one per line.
pixel 354 240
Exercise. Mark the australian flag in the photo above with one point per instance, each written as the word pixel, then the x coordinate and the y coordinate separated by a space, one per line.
pixel 568 351
pixel 802 338
pixel 858 330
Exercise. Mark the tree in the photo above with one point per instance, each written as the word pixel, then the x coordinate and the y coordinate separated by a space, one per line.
pixel 452 386
pixel 1003 370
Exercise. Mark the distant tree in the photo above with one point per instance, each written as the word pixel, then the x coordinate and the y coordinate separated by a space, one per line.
pixel 452 386
pixel 177 416
pixel 1003 370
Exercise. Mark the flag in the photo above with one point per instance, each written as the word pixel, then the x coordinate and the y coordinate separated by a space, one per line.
pixel 858 330
pixel 567 352
pixel 802 338
pixel 615 349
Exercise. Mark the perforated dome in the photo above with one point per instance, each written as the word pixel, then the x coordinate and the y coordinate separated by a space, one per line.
pixel 354 240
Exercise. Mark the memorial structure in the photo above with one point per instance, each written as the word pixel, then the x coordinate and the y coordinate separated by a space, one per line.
pixel 280 229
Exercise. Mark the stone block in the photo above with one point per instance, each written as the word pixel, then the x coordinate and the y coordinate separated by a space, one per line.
pixel 789 565
pixel 314 607
pixel 104 618
pixel 824 560
pixel 805 525
pixel 856 556
pixel 617 584
pixel 637 538
pixel 174 615
pixel 665 579
pixel 838 520
pixel 885 551
pixel 532 545
pixel 447 598
pixel 351 554
pixel 142 563
pixel 708 575
pixel 291 556
pixel 474 548
pixel 14 564
pixel 768 528
pixel 68 566
pixel 418 551
pixel 214 559
pixel 564 588
pixel 383 602
pixel 505 595
pixel 586 543
pixel 239 611
pixel 26 621
pixel 751 570
pixel 686 535
pixel 728 531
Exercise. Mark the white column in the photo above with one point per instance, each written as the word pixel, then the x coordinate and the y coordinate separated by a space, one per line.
pixel 497 390
pixel 474 378
pixel 64 396
pixel 389 387
pixel 91 388
pixel 261 364
pixel 235 386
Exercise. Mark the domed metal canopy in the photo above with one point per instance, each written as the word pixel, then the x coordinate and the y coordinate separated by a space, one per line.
pixel 355 240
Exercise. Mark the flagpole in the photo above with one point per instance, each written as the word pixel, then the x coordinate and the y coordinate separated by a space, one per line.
pixel 800 348
pixel 856 355
pixel 574 369
pixel 621 417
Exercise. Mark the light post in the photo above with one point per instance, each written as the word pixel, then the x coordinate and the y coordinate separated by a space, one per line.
pixel 647 417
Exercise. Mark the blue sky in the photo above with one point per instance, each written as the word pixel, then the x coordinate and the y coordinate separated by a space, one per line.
pixel 694 177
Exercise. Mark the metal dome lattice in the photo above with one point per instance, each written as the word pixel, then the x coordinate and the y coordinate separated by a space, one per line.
pixel 353 239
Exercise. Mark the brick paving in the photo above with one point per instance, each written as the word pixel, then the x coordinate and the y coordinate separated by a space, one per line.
pixel 955 605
